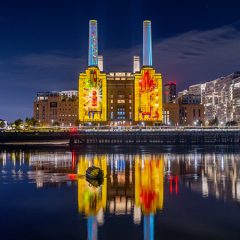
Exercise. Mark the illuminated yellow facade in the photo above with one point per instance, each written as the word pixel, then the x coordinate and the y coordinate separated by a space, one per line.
pixel 148 95
pixel 92 95
pixel 149 183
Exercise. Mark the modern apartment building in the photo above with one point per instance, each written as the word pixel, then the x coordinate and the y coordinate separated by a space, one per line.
pixel 220 97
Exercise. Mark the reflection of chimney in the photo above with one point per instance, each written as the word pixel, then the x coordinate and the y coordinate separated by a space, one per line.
pixel 93 44
pixel 136 64
pixel 147 43
pixel 100 62
pixel 137 215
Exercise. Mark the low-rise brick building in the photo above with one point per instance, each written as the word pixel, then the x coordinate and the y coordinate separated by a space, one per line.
pixel 56 108
pixel 186 111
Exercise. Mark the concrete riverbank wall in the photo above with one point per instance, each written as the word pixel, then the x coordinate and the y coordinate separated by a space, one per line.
pixel 160 137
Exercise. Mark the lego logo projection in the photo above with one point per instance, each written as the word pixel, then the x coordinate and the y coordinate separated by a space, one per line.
pixel 92 95
pixel 148 95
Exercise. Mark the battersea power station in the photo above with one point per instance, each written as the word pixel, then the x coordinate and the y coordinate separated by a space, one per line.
pixel 114 98
pixel 120 97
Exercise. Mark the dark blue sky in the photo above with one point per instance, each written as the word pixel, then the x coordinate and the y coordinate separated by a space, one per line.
pixel 43 44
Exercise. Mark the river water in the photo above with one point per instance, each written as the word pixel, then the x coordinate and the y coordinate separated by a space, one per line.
pixel 147 193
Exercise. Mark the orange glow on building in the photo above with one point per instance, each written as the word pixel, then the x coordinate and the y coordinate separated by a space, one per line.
pixel 92 96
pixel 148 95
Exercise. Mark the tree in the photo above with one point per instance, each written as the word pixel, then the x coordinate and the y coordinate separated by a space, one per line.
pixel 18 123
pixel 30 122
pixel 2 124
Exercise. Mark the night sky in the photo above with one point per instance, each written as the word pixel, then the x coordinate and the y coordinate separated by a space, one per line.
pixel 43 44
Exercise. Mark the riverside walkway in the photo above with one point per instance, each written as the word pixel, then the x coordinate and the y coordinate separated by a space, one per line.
pixel 160 136
pixel 123 135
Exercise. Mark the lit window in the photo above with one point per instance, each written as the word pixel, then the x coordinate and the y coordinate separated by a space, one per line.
pixel 120 101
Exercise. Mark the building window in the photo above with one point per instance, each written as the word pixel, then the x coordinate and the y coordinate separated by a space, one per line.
pixel 120 113
pixel 120 101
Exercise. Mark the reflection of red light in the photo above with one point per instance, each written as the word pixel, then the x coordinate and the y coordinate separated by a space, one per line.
pixel 73 159
pixel 72 176
pixel 173 180
pixel 170 187
pixel 166 93
pixel 147 198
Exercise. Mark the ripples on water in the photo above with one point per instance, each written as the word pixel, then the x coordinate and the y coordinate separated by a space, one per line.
pixel 146 194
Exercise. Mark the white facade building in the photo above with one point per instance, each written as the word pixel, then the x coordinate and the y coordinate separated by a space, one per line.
pixel 100 63
pixel 136 64
pixel 221 98
pixel 69 93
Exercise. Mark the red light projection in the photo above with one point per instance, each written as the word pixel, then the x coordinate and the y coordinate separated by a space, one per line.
pixel 94 98
pixel 147 83
pixel 148 95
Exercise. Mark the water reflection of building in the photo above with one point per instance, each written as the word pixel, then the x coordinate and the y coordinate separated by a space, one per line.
pixel 149 190
pixel 91 199
pixel 42 168
pixel 120 190
pixel 211 174
pixel 216 175
pixel 133 183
